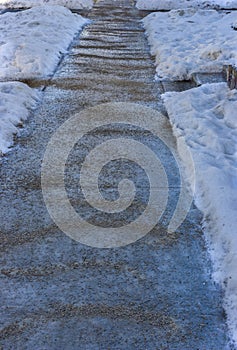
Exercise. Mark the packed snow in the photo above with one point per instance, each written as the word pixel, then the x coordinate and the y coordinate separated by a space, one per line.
pixel 189 41
pixel 32 41
pixel 16 102
pixel 180 4
pixel 206 118
pixel 73 4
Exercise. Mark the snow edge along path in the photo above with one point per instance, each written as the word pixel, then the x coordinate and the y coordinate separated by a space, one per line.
pixel 33 41
pixel 73 4
pixel 160 5
pixel 18 101
pixel 205 117
pixel 31 47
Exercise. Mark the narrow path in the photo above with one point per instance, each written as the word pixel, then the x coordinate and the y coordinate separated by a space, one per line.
pixel 113 57
pixel 59 294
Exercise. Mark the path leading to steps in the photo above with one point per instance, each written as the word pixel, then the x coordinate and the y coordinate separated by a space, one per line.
pixel 59 294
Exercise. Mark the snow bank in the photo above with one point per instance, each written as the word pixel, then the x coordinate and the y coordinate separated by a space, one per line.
pixel 31 44
pixel 188 41
pixel 206 118
pixel 73 4
pixel 16 102
pixel 180 4
pixel 31 41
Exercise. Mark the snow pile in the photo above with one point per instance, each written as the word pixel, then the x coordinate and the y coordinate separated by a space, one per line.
pixel 32 41
pixel 16 101
pixel 73 4
pixel 180 4
pixel 188 41
pixel 206 118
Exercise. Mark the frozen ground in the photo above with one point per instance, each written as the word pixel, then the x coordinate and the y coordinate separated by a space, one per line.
pixel 188 41
pixel 73 4
pixel 16 101
pixel 32 43
pixel 206 118
pixel 178 4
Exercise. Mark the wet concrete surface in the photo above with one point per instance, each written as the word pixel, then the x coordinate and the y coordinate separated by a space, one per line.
pixel 56 293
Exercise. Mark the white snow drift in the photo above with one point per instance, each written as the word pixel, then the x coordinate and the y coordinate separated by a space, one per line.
pixel 206 118
pixel 32 41
pixel 73 4
pixel 16 101
pixel 180 4
pixel 188 41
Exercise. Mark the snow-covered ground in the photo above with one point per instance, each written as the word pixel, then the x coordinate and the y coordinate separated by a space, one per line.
pixel 180 4
pixel 189 41
pixel 32 41
pixel 73 4
pixel 31 44
pixel 206 118
pixel 16 102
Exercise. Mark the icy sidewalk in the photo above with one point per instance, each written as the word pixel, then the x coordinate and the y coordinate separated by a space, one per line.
pixel 58 293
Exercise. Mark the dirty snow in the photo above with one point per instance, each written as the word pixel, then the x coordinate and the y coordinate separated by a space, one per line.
pixel 32 41
pixel 73 4
pixel 16 101
pixel 206 118
pixel 188 41
pixel 180 4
